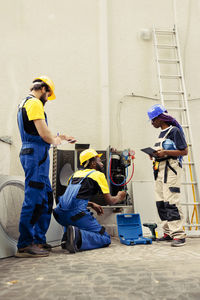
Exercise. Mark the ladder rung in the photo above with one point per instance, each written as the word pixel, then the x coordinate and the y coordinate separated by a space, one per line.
pixel 176 108
pixel 164 31
pixel 168 61
pixel 170 76
pixel 191 225
pixel 172 92
pixel 195 203
pixel 163 46
pixel 185 126
pixel 172 100
pixel 189 183
pixel 188 163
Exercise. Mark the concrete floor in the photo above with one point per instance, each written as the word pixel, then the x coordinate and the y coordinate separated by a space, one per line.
pixel 156 271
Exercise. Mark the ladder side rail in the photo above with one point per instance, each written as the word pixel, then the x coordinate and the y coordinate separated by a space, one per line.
pixel 183 118
pixel 195 173
pixel 183 86
pixel 186 190
pixel 184 90
pixel 158 66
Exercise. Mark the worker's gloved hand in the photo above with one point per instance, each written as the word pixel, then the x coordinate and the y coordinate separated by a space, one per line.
pixel 121 195
pixel 98 208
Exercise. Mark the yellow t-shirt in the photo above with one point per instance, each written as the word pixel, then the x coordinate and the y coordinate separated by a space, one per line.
pixel 34 109
pixel 94 183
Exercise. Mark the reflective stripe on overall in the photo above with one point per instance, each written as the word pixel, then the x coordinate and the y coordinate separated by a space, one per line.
pixel 74 211
pixel 167 190
pixel 38 201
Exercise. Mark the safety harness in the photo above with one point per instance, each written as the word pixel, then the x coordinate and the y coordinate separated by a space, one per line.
pixel 157 161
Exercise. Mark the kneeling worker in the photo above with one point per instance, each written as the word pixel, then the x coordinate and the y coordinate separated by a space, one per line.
pixel 83 232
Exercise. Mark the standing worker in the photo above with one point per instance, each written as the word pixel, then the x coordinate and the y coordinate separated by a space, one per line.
pixel 34 156
pixel 83 232
pixel 171 147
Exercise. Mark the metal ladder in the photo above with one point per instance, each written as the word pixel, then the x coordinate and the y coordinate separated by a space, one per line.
pixel 173 96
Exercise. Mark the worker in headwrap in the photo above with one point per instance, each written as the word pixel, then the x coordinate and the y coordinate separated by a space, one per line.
pixel 34 156
pixel 171 147
pixel 83 232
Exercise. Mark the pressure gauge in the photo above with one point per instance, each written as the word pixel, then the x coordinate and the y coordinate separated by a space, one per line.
pixel 125 153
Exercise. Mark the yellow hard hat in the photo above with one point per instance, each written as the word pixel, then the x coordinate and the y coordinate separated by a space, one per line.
pixel 50 84
pixel 87 154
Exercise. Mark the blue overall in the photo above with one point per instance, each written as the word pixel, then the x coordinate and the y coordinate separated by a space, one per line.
pixel 73 211
pixel 38 201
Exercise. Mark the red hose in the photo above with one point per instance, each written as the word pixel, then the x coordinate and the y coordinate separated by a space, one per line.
pixel 125 182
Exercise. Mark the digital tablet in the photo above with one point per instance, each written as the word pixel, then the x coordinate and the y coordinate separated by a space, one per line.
pixel 149 151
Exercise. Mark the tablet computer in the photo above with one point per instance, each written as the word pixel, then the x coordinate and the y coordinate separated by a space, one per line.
pixel 149 151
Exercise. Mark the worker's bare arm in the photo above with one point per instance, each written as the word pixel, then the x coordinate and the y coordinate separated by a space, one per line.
pixel 45 133
pixel 98 208
pixel 121 195
pixel 176 153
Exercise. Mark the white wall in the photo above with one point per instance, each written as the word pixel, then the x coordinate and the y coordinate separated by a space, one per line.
pixel 63 39
pixel 59 39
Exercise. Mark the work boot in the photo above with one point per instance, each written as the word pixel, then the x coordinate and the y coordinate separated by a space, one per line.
pixel 165 238
pixel 71 239
pixel 31 251
pixel 45 246
pixel 178 242
pixel 63 241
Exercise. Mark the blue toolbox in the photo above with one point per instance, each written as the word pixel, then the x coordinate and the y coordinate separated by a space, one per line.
pixel 130 230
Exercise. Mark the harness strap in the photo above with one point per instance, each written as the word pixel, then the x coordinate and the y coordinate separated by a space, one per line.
pixel 166 158
pixel 166 170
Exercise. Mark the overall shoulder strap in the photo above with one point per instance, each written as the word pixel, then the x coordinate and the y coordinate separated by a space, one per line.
pixel 83 177
pixel 87 175
pixel 166 134
pixel 24 101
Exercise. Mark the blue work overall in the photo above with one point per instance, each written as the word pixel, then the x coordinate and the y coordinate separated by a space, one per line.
pixel 38 201
pixel 73 211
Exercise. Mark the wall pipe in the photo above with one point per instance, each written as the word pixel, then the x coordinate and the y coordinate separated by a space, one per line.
pixel 104 74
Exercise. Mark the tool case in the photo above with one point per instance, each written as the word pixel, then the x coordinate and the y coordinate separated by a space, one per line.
pixel 130 230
